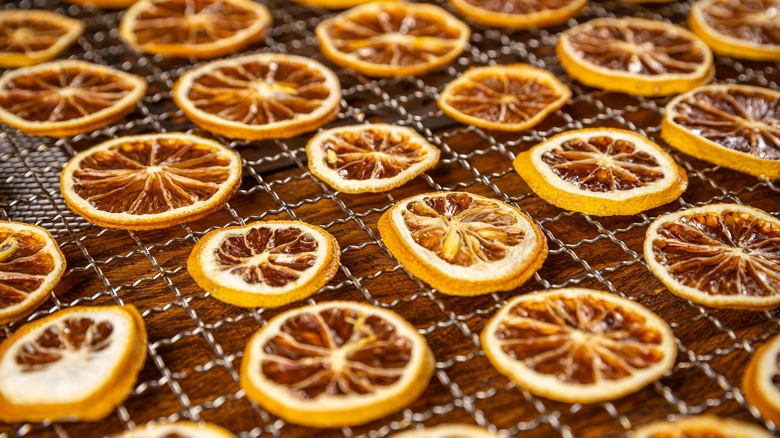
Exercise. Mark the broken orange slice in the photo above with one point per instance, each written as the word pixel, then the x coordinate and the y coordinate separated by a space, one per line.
pixel 635 56
pixel 264 264
pixel 503 98
pixel 738 28
pixel 729 125
pixel 702 426
pixel 391 39
pixel 761 381
pixel 579 345
pixel 369 158
pixel 448 431
pixel 198 29
pixel 76 364
pixel 150 181
pixel 722 255
pixel 65 98
pixel 32 37
pixel 335 364
pixel 31 265
pixel 463 244
pixel 179 429
pixel 602 171
pixel 259 96
pixel 519 14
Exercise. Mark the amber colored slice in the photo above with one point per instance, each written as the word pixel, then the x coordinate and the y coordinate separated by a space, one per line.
pixel 447 431
pixel 742 29
pixel 761 380
pixel 179 429
pixel 33 36
pixel 104 4
pixel 701 426
pixel 519 14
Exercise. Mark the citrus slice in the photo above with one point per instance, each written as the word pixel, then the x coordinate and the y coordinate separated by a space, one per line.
pixel 264 264
pixel 463 244
pixel 336 364
pixel 761 381
pixel 107 4
pixel 390 39
pixel 448 431
pixel 519 14
pixel 31 265
pixel 503 98
pixel 32 37
pixel 369 158
pixel 65 98
pixel 259 96
pixel 701 426
pixel 76 364
pixel 150 181
pixel 722 255
pixel 579 345
pixel 738 28
pixel 194 28
pixel 635 56
pixel 602 171
pixel 335 4
pixel 180 429
pixel 733 126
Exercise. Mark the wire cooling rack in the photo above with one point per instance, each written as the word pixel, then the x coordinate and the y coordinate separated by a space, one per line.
pixel 196 342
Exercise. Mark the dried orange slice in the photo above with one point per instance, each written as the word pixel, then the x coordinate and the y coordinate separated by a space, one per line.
pixel 463 244
pixel 180 429
pixel 734 126
pixel 579 345
pixel 264 264
pixel 32 37
pixel 722 255
pixel 151 181
pixel 389 39
pixel 761 381
pixel 65 98
pixel 335 4
pixel 194 28
pixel 107 4
pixel 503 98
pixel 701 426
pixel 519 14
pixel 76 364
pixel 448 431
pixel 31 265
pixel 738 28
pixel 369 158
pixel 336 364
pixel 602 171
pixel 635 56
pixel 259 96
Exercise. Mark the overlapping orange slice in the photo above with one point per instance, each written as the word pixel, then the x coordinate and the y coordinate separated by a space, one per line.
pixel 635 56
pixel 336 364
pixel 739 28
pixel 701 426
pixel 448 431
pixel 29 37
pixel 76 364
pixel 463 244
pixel 578 345
pixel 150 181
pixel 722 255
pixel 179 429
pixel 194 28
pixel 519 14
pixel 761 380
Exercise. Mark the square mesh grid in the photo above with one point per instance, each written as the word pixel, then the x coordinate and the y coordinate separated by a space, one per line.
pixel 196 342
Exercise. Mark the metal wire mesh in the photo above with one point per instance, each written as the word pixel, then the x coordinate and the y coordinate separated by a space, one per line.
pixel 196 343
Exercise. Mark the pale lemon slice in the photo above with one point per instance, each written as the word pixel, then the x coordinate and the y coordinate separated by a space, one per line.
pixel 180 429
pixel 76 364
pixel 519 14
pixel 761 380
pixel 35 36
pixel 578 345
pixel 738 28
pixel 448 431
pixel 708 426
pixel 369 158
pixel 335 364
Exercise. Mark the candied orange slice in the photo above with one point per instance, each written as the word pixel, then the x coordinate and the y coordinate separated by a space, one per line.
pixel 602 171
pixel 503 98
pixel 519 14
pixel 369 158
pixel 463 244
pixel 761 381
pixel 734 126
pixel 264 264
pixel 32 37
pixel 722 255
pixel 31 265
pixel 336 364
pixel 259 96
pixel 739 28
pixel 635 56
pixel 76 364
pixel 701 426
pixel 194 28
pixel 579 345
pixel 179 429
pixel 389 39
pixel 151 181
pixel 448 431
pixel 65 98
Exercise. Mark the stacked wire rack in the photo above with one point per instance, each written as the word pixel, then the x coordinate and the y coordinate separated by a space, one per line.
pixel 196 342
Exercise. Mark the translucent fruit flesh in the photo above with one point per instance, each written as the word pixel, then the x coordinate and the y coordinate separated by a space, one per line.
pixel 33 36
